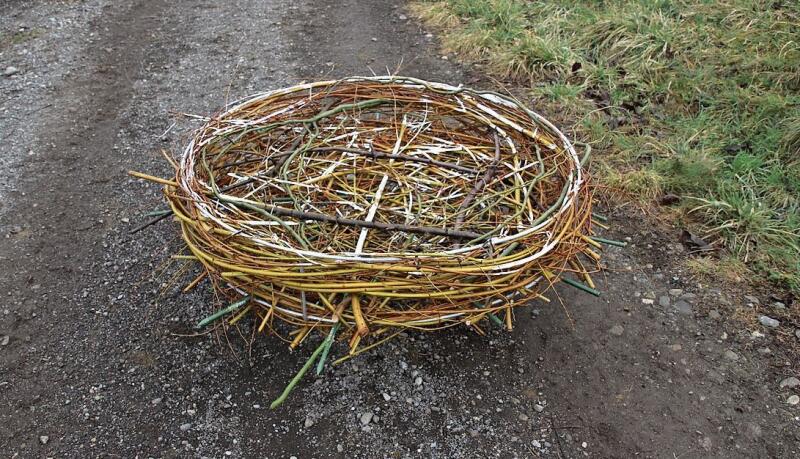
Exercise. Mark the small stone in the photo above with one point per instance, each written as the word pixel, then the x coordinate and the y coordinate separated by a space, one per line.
pixel 663 301
pixel 705 443
pixel 185 427
pixel 714 314
pixel 523 417
pixel 790 382
pixel 538 408
pixel 730 355
pixel 10 70
pixel 616 330
pixel 584 445
pixel 339 448
pixel 374 39
pixel 752 299
pixel 683 307
pixel 764 351
pixel 688 296
pixel 5 340
pixel 386 396
pixel 43 439
pixel 647 301
pixel 768 321
pixel 308 422
pixel 418 381
pixel 366 418
pixel 676 347
pixel 536 444
pixel 778 305
pixel 156 401
pixel 402 17
pixel 797 333
pixel 793 400
pixel 675 291
pixel 126 220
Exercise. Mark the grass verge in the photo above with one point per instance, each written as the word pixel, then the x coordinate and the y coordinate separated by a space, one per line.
pixel 697 98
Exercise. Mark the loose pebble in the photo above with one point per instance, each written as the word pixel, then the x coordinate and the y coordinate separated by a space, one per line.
pixel 366 418
pixel 790 382
pixel 793 400
pixel 730 355
pixel 617 330
pixel 682 307
pixel 768 321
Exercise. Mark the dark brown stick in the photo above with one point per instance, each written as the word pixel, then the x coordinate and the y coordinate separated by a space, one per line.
pixel 487 177
pixel 379 155
pixel 276 210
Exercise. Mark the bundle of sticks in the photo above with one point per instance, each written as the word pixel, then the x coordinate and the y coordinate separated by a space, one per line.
pixel 370 205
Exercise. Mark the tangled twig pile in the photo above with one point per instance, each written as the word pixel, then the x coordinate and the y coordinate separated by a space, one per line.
pixel 379 204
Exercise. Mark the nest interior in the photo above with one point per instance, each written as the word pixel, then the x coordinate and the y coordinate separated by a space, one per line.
pixel 382 203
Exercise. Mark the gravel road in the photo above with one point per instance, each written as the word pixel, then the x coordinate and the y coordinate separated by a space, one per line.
pixel 97 352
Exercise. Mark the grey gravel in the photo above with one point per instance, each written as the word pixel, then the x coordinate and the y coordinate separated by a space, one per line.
pixel 43 439
pixel 308 422
pixel 663 301
pixel 675 291
pixel 186 426
pixel 5 340
pixel 617 330
pixel 539 408
pixel 768 321
pixel 793 400
pixel 714 314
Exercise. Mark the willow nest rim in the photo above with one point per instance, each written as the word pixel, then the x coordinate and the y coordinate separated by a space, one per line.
pixel 550 241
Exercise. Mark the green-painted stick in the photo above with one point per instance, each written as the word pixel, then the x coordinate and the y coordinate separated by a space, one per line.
pixel 328 342
pixel 580 286
pixel 609 241
pixel 298 376
pixel 222 312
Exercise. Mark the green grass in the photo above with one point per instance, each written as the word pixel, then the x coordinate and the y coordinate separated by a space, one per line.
pixel 698 98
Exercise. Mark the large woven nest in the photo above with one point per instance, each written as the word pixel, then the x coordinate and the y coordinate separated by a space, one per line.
pixel 382 203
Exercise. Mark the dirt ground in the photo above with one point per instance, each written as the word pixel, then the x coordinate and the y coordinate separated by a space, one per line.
pixel 93 361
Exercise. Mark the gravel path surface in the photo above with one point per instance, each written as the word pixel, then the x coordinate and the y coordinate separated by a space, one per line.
pixel 97 356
